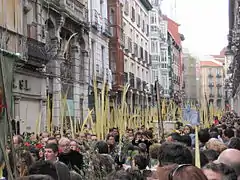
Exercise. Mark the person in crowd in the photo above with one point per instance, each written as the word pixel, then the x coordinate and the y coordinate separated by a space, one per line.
pixel 73 159
pixel 228 133
pixel 17 141
pixel 203 136
pixel 112 145
pixel 153 153
pixel 181 172
pixel 211 154
pixel 51 154
pixel 52 140
pixel 35 177
pixel 216 145
pixel 230 157
pixel 219 171
pixel 174 153
pixel 24 161
pixel 74 146
pixel 44 168
pixel 234 143
pixel 174 137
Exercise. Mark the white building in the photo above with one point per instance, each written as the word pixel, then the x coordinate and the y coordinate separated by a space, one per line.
pixel 137 64
pixel 159 46
pixel 99 45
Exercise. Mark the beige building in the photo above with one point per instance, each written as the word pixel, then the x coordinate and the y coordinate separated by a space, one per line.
pixel 211 82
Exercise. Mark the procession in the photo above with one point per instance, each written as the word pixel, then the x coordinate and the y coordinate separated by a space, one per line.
pixel 119 90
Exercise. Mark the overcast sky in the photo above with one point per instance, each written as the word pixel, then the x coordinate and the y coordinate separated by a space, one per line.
pixel 204 23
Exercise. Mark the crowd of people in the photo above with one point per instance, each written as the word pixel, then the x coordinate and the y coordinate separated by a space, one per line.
pixel 136 156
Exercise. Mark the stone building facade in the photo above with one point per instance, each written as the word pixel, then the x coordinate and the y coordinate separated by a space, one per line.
pixel 40 37
pixel 159 47
pixel 137 63
pixel 100 32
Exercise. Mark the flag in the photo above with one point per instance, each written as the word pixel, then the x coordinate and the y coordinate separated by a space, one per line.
pixel 191 115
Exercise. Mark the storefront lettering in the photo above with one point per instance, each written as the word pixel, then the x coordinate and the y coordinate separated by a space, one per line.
pixel 22 85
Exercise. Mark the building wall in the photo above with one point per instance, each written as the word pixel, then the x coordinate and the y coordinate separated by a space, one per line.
pixel 212 85
pixel 139 35
pixel 190 78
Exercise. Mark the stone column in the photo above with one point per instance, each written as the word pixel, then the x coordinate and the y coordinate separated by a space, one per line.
pixel 56 86
pixel 17 108
pixel 76 63
pixel 43 124
pixel 86 82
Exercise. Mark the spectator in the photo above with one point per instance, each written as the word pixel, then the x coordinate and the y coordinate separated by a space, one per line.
pixel 234 143
pixel 219 171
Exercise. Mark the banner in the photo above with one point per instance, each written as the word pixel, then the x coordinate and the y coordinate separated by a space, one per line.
pixel 192 116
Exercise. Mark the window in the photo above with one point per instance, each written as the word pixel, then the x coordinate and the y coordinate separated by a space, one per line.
pixel 218 71
pixel 210 70
pixel 163 56
pixel 101 8
pixel 211 90
pixel 103 58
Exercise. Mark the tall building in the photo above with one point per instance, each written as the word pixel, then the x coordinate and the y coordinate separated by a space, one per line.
pixel 190 77
pixel 100 32
pixel 129 53
pixel 211 75
pixel 159 47
pixel 51 65
pixel 174 56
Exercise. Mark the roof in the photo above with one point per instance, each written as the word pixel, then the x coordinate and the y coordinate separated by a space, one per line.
pixel 173 29
pixel 209 64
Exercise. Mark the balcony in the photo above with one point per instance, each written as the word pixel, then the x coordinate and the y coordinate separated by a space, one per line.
pixel 218 75
pixel 126 8
pixel 95 21
pixel 99 76
pixel 122 38
pixel 141 53
pixel 129 45
pixel 211 84
pixel 144 85
pixel 146 57
pixel 125 78
pixel 219 84
pixel 219 96
pixel 210 75
pixel 107 28
pixel 139 84
pixel 135 50
pixel 211 95
pixel 152 89
pixel 132 81
pixel 74 8
pixel 138 20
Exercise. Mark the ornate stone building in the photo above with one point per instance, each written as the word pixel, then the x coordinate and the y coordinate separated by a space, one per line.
pixel 51 37
pixel 100 32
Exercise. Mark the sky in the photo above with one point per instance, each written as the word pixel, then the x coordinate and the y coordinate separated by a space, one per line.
pixel 204 23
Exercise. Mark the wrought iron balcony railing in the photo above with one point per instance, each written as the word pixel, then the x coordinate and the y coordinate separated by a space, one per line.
pixel 107 27
pixel 218 75
pixel 211 84
pixel 210 75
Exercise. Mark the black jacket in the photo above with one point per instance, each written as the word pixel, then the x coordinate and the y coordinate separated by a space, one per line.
pixel 72 159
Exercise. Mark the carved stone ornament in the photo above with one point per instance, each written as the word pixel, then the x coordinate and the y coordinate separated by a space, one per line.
pixel 26 6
